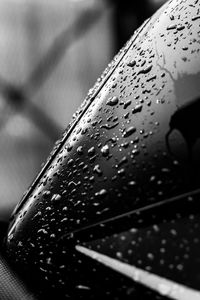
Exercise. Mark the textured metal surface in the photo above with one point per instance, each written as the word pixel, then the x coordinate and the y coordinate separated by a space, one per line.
pixel 11 288
pixel 124 179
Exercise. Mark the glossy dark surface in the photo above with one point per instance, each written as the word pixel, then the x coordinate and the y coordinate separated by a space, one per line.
pixel 132 154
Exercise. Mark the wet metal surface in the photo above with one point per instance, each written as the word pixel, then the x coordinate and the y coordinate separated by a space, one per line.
pixel 124 180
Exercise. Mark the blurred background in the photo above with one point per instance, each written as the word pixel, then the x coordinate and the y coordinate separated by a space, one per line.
pixel 51 53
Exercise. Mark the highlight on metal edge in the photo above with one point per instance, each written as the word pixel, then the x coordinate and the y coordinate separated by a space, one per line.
pixel 163 286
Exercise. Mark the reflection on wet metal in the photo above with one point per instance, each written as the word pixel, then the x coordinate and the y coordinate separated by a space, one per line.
pixel 162 285
pixel 185 119
pixel 149 209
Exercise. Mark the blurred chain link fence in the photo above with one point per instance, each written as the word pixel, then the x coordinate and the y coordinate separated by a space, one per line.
pixel 28 30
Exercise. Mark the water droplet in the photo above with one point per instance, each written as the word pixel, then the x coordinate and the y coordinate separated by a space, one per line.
pixel 109 126
pixel 121 172
pixel 137 108
pixel 122 161
pixel 105 150
pixel 145 70
pixel 131 63
pixel 97 170
pixel 56 197
pixel 127 103
pixel 129 131
pixel 180 27
pixel 70 162
pixel 46 194
pixel 71 184
pixel 135 151
pixel 150 256
pixel 112 101
pixel 195 18
pixel 91 151
pixel 80 150
pixel 119 254
pixel 43 231
pixel 132 183
pixel 114 85
pixel 126 115
pixel 171 27
pixel 83 287
pixel 101 194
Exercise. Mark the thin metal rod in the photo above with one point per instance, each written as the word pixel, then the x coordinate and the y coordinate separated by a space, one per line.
pixel 155 282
